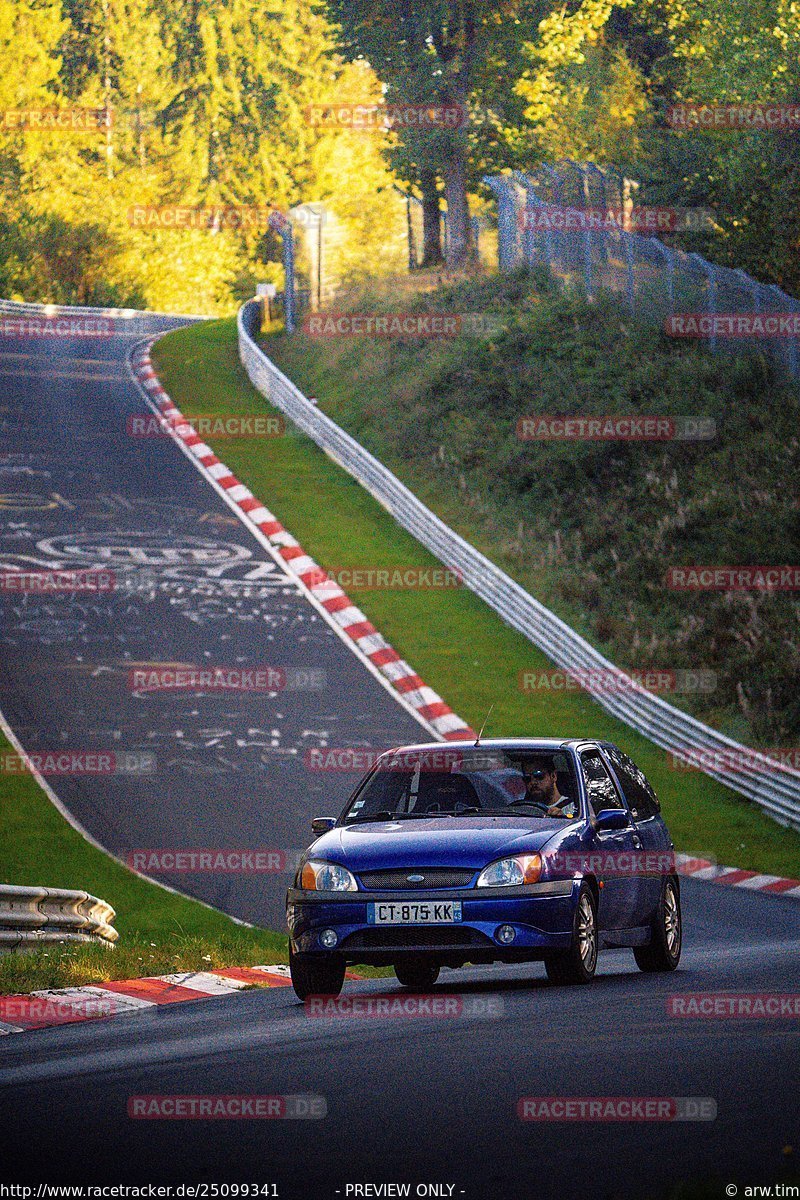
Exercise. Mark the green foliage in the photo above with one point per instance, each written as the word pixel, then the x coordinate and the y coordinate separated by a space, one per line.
pixel 584 98
pixel 208 106
pixel 743 52
pixel 448 52
pixel 137 956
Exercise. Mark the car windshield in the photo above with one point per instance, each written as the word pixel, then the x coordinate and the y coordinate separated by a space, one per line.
pixel 447 782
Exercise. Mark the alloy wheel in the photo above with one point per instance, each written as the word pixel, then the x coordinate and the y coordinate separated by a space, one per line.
pixel 587 934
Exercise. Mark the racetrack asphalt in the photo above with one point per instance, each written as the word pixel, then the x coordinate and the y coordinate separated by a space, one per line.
pixel 434 1099
pixel 221 770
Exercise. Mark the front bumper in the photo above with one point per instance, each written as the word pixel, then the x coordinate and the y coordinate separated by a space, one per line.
pixel 541 915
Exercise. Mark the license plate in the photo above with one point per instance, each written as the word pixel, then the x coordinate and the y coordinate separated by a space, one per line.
pixel 427 912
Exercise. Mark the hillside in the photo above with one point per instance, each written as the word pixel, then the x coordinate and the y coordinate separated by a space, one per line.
pixel 592 528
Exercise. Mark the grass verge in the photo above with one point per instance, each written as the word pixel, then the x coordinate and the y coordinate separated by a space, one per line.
pixel 159 932
pixel 456 642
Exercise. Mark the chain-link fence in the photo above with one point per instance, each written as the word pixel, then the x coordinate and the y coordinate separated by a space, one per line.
pixel 416 232
pixel 575 219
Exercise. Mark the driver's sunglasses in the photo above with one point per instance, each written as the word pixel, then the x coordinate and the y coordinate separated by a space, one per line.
pixel 538 773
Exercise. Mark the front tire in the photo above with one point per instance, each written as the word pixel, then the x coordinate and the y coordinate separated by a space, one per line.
pixel 419 976
pixel 313 976
pixel 579 963
pixel 664 951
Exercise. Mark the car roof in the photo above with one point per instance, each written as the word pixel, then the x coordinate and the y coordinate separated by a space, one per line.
pixel 519 743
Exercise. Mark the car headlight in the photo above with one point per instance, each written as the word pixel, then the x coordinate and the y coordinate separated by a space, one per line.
pixel 327 877
pixel 511 872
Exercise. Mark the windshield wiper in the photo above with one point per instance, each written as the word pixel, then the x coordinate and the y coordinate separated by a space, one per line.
pixel 410 816
pixel 513 810
pixel 384 815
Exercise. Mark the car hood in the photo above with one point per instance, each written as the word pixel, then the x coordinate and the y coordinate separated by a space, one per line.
pixel 446 842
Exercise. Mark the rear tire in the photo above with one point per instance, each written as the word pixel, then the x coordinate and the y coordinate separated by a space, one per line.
pixel 419 976
pixel 664 951
pixel 313 976
pixel 579 963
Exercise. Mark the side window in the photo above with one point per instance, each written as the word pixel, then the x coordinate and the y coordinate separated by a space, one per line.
pixel 641 798
pixel 602 793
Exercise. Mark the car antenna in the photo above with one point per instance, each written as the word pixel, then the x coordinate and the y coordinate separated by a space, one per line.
pixel 483 726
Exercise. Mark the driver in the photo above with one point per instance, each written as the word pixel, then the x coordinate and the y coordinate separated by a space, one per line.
pixel 541 788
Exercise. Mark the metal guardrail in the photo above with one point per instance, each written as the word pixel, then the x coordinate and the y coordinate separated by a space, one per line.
pixel 128 321
pixel 771 784
pixel 30 916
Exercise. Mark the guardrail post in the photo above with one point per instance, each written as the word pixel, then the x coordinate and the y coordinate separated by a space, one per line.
pixel 630 283
pixel 711 307
pixel 506 220
pixel 528 231
pixel 786 304
pixel 281 224
pixel 669 258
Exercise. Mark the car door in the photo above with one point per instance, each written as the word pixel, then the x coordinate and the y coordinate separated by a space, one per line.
pixel 622 903
pixel 646 812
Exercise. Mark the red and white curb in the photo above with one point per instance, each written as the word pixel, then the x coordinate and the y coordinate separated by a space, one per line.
pixel 326 591
pixel 752 881
pixel 68 1006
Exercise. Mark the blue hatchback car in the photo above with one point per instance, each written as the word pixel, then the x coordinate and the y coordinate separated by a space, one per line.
pixel 513 850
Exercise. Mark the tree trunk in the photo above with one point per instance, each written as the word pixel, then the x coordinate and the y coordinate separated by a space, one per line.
pixel 431 219
pixel 459 227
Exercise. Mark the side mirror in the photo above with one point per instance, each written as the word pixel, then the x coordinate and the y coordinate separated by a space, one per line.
pixel 320 825
pixel 612 818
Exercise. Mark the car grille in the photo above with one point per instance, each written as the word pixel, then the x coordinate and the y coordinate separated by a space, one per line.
pixel 440 937
pixel 396 880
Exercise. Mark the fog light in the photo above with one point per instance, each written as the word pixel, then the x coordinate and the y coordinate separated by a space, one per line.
pixel 505 934
pixel 328 939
